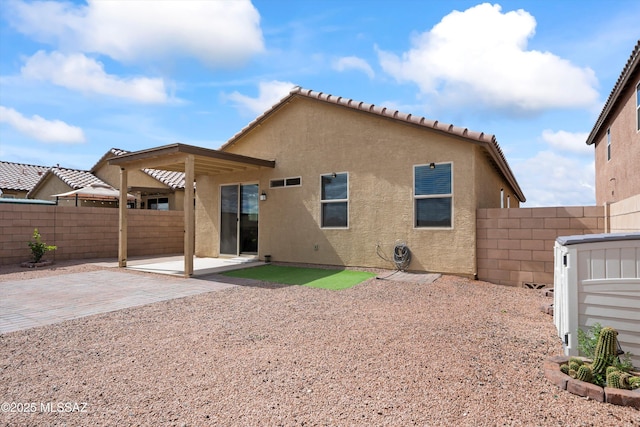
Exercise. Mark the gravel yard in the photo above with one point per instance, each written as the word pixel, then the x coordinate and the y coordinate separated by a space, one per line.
pixel 453 352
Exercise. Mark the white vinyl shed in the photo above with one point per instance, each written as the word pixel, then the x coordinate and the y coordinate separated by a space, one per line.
pixel 597 280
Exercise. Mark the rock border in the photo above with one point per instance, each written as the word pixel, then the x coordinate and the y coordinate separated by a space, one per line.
pixel 614 396
pixel 31 264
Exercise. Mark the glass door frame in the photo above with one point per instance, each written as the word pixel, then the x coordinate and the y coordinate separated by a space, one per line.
pixel 238 233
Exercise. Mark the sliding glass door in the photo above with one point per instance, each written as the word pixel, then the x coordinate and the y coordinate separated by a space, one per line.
pixel 239 219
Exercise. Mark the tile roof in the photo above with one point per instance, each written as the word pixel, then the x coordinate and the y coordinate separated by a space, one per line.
pixel 74 178
pixel 18 176
pixel 623 80
pixel 488 141
pixel 174 180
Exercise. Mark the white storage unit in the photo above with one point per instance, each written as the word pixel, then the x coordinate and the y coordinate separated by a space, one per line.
pixel 597 280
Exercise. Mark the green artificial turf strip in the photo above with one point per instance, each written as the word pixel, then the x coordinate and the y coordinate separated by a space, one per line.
pixel 313 277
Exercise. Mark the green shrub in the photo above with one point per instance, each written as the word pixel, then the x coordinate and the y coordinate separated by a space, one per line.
pixel 38 247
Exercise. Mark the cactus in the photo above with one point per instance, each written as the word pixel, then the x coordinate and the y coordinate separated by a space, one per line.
pixel 613 379
pixel 634 383
pixel 572 373
pixel 585 374
pixel 611 369
pixel 564 369
pixel 606 350
pixel 574 366
pixel 576 360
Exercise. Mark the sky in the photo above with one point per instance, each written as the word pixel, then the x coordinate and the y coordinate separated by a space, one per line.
pixel 78 78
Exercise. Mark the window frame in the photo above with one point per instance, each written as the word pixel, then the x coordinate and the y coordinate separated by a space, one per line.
pixel 432 196
pixel 331 201
pixel 284 182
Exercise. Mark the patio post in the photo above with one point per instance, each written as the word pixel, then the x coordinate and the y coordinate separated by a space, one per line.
pixel 122 220
pixel 189 214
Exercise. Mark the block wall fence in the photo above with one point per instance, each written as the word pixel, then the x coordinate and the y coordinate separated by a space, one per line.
pixel 515 246
pixel 82 233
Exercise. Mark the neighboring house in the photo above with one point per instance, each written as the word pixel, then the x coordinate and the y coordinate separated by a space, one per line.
pixel 153 188
pixel 57 180
pixel 17 179
pixel 322 179
pixel 616 136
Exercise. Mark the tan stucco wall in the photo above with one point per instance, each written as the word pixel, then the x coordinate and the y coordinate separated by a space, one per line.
pixel 489 183
pixel 618 178
pixel 53 185
pixel 308 138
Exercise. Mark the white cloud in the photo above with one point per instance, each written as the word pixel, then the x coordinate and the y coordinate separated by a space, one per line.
pixel 353 63
pixel 568 141
pixel 269 93
pixel 550 179
pixel 42 129
pixel 479 58
pixel 78 72
pixel 218 33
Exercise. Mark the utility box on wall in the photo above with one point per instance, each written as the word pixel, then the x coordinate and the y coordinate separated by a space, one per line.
pixel 597 280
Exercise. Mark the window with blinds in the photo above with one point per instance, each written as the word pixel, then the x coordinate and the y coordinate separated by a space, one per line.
pixel 433 195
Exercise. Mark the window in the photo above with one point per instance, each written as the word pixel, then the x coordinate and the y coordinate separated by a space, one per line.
pixel 433 194
pixel 286 182
pixel 608 144
pixel 638 107
pixel 334 200
pixel 160 204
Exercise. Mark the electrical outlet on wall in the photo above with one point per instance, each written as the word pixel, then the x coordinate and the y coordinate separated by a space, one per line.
pixel 315 247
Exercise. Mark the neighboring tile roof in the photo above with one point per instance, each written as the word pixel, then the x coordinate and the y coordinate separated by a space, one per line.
pixel 623 80
pixel 174 180
pixel 18 176
pixel 487 140
pixel 74 178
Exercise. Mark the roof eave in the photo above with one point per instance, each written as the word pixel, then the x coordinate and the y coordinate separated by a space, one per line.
pixel 621 84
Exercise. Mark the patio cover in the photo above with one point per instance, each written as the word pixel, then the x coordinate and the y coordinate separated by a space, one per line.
pixel 191 160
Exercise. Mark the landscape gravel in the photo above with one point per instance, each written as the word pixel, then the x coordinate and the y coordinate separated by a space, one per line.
pixel 454 352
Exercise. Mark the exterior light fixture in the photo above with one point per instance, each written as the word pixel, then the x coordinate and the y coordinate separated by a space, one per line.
pixel 432 165
pixel 333 175
pixel 263 196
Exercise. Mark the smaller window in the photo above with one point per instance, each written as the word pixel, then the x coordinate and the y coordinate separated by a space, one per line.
pixel 608 144
pixel 293 182
pixel 286 182
pixel 276 183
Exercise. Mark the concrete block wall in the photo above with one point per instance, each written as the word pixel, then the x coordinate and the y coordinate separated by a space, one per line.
pixel 83 233
pixel 515 246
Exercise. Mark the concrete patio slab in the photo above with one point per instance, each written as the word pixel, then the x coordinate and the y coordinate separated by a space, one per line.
pixel 36 302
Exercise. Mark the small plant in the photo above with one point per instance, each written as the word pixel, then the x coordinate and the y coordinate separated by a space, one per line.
pixel 607 368
pixel 587 341
pixel 38 247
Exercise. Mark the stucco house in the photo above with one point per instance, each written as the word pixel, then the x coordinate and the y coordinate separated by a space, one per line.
pixel 58 180
pixel 323 179
pixel 17 179
pixel 616 137
pixel 151 188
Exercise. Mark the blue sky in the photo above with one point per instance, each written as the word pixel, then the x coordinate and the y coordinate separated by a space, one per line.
pixel 78 78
